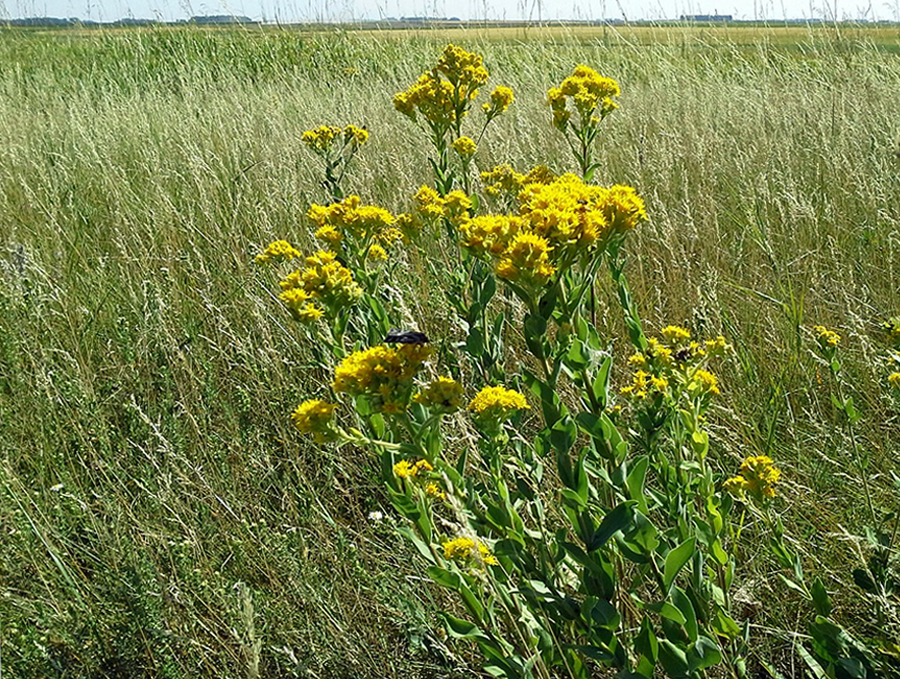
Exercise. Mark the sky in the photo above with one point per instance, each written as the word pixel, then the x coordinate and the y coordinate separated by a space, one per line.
pixel 286 11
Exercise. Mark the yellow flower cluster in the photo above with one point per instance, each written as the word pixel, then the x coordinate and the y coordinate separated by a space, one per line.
pixel 501 99
pixel 368 225
pixel 560 220
pixel 591 94
pixel 324 285
pixel 455 206
pixel 279 250
pixel 464 146
pixel 894 380
pixel 489 235
pixel 758 477
pixel 419 473
pixel 469 552
pixel 573 215
pixel 405 469
pixel 675 360
pixel 504 180
pixel 314 417
pixel 493 406
pixel 442 395
pixel 382 375
pixel 645 384
pixel 444 93
pixel 526 261
pixel 828 339
pixel 322 139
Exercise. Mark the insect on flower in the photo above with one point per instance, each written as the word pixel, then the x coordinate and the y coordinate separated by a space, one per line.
pixel 396 336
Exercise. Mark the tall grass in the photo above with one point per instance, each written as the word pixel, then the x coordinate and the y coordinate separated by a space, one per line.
pixel 159 515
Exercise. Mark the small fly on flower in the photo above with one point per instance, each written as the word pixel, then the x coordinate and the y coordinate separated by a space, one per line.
pixel 396 336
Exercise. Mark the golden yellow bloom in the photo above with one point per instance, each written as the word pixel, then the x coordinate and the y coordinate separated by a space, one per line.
pixel 314 417
pixel 406 469
pixel 443 394
pixel 828 339
pixel 321 139
pixel 638 360
pixel 464 146
pixel 429 203
pixel 675 334
pixel 277 250
pixel 468 551
pixel 489 234
pixel 894 380
pixel 703 382
pixel 456 206
pixel 356 135
pixel 464 69
pixel 718 346
pixel 350 218
pixel 434 490
pixel 381 374
pixel 492 406
pixel 760 476
pixel 736 485
pixel 589 91
pixel 501 99
pixel 377 253
pixel 526 261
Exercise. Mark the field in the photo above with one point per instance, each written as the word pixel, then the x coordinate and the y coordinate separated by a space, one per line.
pixel 161 517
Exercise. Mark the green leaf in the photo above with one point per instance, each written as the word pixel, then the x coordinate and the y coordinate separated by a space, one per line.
pixel 535 328
pixel 445 578
pixel 705 653
pixel 618 519
pixel 563 435
pixel 820 598
pixel 667 611
pixel 673 659
pixel 461 629
pixel 635 482
pixel 684 604
pixel 420 546
pixel 676 559
pixel 645 642
pixel 475 342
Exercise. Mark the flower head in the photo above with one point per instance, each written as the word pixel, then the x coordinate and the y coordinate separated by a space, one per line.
pixel 526 261
pixel 464 146
pixel 279 250
pixel 315 417
pixel 828 339
pixel 493 406
pixel 382 375
pixel 592 95
pixel 758 478
pixel 442 395
pixel 894 380
pixel 468 552
pixel 501 99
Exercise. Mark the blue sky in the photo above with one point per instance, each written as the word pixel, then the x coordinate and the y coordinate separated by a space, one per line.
pixel 350 10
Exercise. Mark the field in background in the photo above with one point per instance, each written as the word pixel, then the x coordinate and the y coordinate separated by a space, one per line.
pixel 160 516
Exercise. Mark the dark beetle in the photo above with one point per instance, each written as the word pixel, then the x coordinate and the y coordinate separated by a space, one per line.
pixel 396 336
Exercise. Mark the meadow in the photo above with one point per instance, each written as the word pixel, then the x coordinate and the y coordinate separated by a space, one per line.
pixel 161 516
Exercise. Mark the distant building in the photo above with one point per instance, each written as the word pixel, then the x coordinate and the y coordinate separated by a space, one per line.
pixel 720 18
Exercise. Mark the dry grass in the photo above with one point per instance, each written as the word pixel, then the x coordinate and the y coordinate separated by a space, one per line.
pixel 151 484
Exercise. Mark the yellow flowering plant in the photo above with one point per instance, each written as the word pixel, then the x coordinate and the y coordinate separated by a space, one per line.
pixel 440 100
pixel 579 104
pixel 335 147
pixel 588 529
